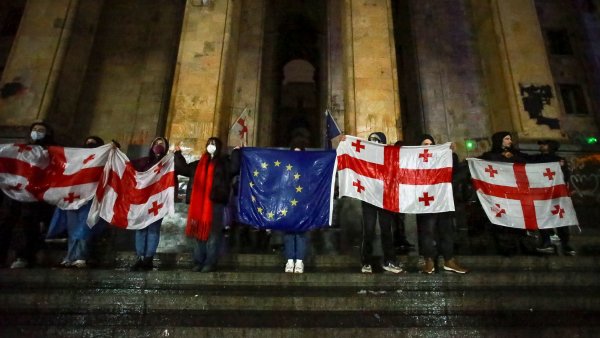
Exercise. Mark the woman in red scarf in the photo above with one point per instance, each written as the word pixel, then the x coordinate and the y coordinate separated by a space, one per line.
pixel 207 193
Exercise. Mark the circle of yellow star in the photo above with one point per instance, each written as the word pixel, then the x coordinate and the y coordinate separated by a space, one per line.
pixel 260 210
pixel 294 202
pixel 264 165
pixel 299 189
pixel 277 163
pixel 297 176
pixel 284 212
pixel 251 185
pixel 289 167
pixel 255 172
pixel 253 198
pixel 270 215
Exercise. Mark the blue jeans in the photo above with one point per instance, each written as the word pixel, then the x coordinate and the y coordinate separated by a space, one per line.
pixel 206 253
pixel 78 233
pixel 294 245
pixel 146 240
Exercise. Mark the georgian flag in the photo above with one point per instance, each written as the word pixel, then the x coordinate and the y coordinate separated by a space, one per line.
pixel 400 179
pixel 65 177
pixel 130 199
pixel 22 169
pixel 73 175
pixel 240 130
pixel 524 196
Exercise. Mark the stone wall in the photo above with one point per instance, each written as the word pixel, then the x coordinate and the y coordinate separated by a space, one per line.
pixel 450 75
pixel 129 76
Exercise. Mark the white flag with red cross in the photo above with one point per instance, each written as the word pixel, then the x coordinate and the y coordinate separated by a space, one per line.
pixel 22 170
pixel 401 179
pixel 130 199
pixel 73 175
pixel 524 196
pixel 240 130
pixel 65 177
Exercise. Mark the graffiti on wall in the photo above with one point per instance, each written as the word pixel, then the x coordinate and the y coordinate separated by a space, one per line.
pixel 585 177
pixel 585 187
pixel 534 99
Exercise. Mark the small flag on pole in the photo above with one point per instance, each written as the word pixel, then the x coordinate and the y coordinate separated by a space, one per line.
pixel 239 131
pixel 332 130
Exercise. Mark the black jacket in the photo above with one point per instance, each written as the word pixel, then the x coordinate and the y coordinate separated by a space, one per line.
pixel 225 169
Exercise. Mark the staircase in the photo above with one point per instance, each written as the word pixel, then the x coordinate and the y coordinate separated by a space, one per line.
pixel 250 296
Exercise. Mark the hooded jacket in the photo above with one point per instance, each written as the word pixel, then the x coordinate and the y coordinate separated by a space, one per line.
pixel 426 137
pixel 498 152
pixel 379 136
pixel 145 163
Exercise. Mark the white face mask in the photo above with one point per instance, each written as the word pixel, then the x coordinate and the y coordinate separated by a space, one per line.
pixel 37 135
pixel 211 148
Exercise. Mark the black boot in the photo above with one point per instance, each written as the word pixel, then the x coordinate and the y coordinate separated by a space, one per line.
pixel 138 265
pixel 147 264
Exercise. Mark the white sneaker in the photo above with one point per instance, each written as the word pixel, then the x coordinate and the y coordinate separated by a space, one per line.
pixel 391 267
pixel 299 267
pixel 19 264
pixel 289 266
pixel 80 263
pixel 366 269
pixel 65 263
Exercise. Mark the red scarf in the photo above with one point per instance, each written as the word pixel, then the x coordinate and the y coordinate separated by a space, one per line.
pixel 200 212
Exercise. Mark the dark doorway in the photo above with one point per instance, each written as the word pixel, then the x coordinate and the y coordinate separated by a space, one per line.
pixel 408 79
pixel 290 83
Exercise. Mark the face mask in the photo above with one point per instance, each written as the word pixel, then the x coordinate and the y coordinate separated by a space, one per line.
pixel 158 149
pixel 211 148
pixel 37 135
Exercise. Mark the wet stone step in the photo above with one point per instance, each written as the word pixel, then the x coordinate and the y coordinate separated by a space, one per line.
pixel 48 279
pixel 301 332
pixel 407 302
pixel 314 319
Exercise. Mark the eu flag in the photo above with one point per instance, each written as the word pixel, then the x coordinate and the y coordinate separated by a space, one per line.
pixel 286 190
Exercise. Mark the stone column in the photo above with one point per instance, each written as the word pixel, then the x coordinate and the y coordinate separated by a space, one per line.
pixel 201 99
pixel 449 71
pixel 36 59
pixel 248 65
pixel 371 85
pixel 521 91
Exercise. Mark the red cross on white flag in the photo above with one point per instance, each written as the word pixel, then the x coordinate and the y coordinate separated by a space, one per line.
pixel 524 196
pixel 130 199
pixel 74 174
pixel 240 130
pixel 65 177
pixel 21 170
pixel 407 179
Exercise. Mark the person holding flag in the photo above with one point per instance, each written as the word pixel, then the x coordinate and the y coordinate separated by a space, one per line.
pixel 370 213
pixel 147 239
pixel 294 244
pixel 509 241
pixel 207 194
pixel 29 215
pixel 75 223
pixel 436 232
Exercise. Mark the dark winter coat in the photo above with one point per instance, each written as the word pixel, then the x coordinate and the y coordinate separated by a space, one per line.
pixel 225 169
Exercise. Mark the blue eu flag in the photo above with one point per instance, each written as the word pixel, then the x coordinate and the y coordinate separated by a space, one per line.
pixel 286 190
